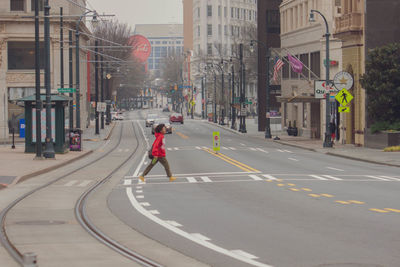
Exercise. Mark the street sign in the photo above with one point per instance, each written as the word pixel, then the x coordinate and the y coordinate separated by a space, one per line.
pixel 344 97
pixel 320 89
pixel 343 80
pixel 216 141
pixel 192 103
pixel 344 109
pixel 246 101
pixel 66 90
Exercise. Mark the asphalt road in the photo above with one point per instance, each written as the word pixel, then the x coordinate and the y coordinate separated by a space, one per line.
pixel 258 203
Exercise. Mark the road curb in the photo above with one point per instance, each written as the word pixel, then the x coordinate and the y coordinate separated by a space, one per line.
pixel 364 160
pixel 294 145
pixel 51 168
pixel 109 134
pixel 222 127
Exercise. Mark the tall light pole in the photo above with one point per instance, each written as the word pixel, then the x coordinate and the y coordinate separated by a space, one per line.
pixel 268 102
pixel 242 127
pixel 222 107
pixel 233 111
pixel 327 141
pixel 49 146
pixel 37 85
pixel 96 82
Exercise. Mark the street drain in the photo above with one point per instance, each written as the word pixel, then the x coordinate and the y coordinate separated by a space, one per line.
pixel 40 222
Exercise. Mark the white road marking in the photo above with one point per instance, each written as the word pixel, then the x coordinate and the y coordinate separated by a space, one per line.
pixel 206 179
pixel 255 177
pixel 191 179
pixel 244 254
pixel 140 182
pixel 155 212
pixel 176 148
pixel 197 147
pixel 392 178
pixel 270 177
pixel 169 149
pixel 252 149
pixel 200 236
pixel 138 187
pixel 242 144
pixel 127 182
pixel 184 234
pixel 190 174
pixel 204 147
pixel 85 183
pixel 333 177
pixel 293 159
pixel 232 148
pixel 120 150
pixel 262 150
pixel 145 204
pixel 224 147
pixel 318 177
pixel 378 178
pixel 174 223
pixel 127 150
pixel 288 151
pixel 335 169
pixel 280 150
pixel 139 191
pixel 140 196
pixel 71 183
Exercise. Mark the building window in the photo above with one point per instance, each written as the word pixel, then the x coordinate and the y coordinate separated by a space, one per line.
pixel 21 55
pixel 219 11
pixel 285 69
pixel 209 49
pixel 17 5
pixel 41 5
pixel 315 64
pixel 225 30
pixel 198 12
pixel 219 29
pixel 225 12
pixel 209 11
pixel 209 29
pixel 198 30
pixel 305 61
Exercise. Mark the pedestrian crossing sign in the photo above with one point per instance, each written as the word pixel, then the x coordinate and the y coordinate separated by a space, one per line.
pixel 344 97
pixel 344 109
pixel 216 142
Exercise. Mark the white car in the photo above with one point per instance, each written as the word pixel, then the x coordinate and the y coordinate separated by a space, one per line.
pixel 150 119
pixel 117 116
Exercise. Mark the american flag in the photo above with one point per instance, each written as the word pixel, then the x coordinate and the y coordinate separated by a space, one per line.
pixel 278 65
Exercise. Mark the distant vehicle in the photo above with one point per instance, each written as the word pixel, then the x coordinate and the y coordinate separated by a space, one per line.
pixel 164 121
pixel 150 119
pixel 166 109
pixel 116 116
pixel 176 117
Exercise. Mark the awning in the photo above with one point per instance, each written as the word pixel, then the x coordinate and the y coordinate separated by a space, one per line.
pixel 298 99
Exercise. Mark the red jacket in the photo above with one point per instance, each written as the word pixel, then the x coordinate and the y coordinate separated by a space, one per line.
pixel 159 146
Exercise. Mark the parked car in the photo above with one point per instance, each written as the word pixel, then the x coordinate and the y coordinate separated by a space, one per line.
pixel 150 119
pixel 159 121
pixel 166 109
pixel 176 117
pixel 116 116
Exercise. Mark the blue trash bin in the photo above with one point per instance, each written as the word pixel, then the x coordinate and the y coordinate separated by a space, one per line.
pixel 22 128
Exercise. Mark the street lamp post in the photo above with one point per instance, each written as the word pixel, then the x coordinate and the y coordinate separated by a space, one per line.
pixel 202 99
pixel 37 85
pixel 327 141
pixel 71 82
pixel 242 127
pixel 268 101
pixel 96 83
pixel 49 147
pixel 233 111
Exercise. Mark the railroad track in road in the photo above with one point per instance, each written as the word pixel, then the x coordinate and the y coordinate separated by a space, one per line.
pixel 80 211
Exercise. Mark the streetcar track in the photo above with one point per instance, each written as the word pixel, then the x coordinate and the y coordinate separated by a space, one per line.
pixel 80 211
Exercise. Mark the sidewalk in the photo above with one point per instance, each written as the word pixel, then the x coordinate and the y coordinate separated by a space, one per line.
pixel 340 150
pixel 17 166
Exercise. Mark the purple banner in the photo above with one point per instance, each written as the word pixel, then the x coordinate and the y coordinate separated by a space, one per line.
pixel 296 64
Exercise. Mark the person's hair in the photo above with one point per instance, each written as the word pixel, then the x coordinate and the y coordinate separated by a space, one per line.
pixel 159 127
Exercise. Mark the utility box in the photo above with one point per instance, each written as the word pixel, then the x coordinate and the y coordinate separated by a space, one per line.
pixel 60 131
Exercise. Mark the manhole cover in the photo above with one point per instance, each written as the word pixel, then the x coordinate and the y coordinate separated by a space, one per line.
pixel 349 265
pixel 40 222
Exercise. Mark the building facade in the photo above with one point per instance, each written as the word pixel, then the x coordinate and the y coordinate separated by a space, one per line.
pixel 165 40
pixel 218 28
pixel 17 55
pixel 306 41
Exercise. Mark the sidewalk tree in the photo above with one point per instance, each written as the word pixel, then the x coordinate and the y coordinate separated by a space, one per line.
pixel 382 84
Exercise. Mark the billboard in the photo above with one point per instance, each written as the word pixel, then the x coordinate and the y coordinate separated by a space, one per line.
pixel 141 47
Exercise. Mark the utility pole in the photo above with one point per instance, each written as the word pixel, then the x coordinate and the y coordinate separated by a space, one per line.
pixel 233 110
pixel 71 83
pixel 49 147
pixel 102 89
pixel 37 85
pixel 242 126
pixel 202 99
pixel 96 85
pixel 215 97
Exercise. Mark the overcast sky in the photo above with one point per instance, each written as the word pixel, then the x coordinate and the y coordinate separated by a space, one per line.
pixel 141 11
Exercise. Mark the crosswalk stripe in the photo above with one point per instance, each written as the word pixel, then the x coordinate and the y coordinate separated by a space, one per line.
pixel 204 147
pixel 293 159
pixel 85 183
pixel 140 196
pixel 318 177
pixel 127 182
pixel 252 148
pixel 169 149
pixel 280 150
pixel 232 148
pixel 255 177
pixel 120 150
pixel 392 178
pixel 71 183
pixel 139 191
pixel 206 179
pixel 176 148
pixel 378 178
pixel 262 150
pixel 288 151
pixel 270 177
pixel 224 147
pixel 244 254
pixel 191 179
pixel 197 147
pixel 332 177
pixel 144 204
pixel 335 169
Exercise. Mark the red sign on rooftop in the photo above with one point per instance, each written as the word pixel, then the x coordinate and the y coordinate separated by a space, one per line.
pixel 141 47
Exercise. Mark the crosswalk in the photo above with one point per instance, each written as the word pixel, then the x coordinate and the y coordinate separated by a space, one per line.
pixel 241 177
pixel 229 148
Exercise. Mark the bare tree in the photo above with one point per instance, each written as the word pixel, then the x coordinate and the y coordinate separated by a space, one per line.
pixel 172 68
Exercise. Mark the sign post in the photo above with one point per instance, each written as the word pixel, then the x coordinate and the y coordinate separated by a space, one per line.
pixel 216 142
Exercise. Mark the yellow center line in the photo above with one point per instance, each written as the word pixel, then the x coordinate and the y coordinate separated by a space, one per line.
pixel 356 202
pixel 314 195
pixel 294 189
pixel 238 162
pixel 280 184
pixel 241 166
pixel 306 189
pixel 181 135
pixel 326 195
pixel 342 202
pixel 379 210
pixel 291 184
pixel 394 210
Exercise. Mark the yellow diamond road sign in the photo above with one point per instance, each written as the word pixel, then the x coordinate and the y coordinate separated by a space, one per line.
pixel 344 97
pixel 344 109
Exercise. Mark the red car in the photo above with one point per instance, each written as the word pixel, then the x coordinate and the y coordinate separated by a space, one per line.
pixel 176 117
